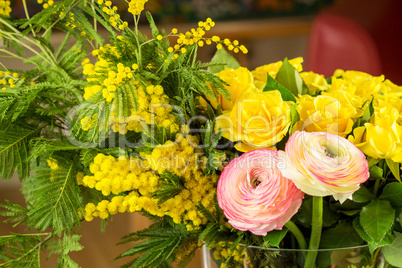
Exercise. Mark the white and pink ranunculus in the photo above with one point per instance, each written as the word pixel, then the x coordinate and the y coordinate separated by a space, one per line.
pixel 323 164
pixel 254 195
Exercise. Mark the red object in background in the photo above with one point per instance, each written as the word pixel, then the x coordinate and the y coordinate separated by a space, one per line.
pixel 339 43
pixel 380 20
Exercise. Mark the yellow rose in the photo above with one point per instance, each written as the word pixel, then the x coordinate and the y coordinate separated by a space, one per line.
pixel 366 84
pixel 376 142
pixel 260 73
pixel 315 82
pixel 390 88
pixel 339 84
pixel 332 112
pixel 239 80
pixel 381 137
pixel 387 99
pixel 258 120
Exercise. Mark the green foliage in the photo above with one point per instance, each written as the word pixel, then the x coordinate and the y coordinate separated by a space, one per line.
pixel 290 78
pixel 14 148
pixel 210 140
pixel 393 252
pixel 342 235
pixel 21 250
pixel 394 167
pixel 363 195
pixel 172 186
pixel 14 213
pixel 221 60
pixel 273 84
pixel 152 25
pixel 159 246
pixel 192 79
pixel 63 247
pixel 304 216
pixel 54 196
pixel 44 147
pixel 393 193
pixel 377 218
pixel 274 237
pixel 373 245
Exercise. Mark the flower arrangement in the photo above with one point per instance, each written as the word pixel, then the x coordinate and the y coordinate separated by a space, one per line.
pixel 213 153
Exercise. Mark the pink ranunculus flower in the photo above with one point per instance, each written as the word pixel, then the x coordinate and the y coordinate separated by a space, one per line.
pixel 323 164
pixel 254 195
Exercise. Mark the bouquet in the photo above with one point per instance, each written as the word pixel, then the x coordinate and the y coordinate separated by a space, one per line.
pixel 213 153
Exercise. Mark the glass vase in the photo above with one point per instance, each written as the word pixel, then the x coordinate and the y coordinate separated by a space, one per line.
pixel 258 257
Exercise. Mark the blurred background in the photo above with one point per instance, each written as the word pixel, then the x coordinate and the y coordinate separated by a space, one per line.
pixel 362 35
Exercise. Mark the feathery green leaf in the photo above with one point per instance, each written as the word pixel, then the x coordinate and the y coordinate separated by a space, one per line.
pixel 55 197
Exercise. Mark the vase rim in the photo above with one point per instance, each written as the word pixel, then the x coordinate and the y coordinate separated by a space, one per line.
pixel 305 250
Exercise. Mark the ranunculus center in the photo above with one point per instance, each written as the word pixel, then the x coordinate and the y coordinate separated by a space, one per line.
pixel 256 182
pixel 255 177
pixel 329 152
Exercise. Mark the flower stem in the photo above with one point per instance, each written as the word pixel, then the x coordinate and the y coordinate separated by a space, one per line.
pixel 376 185
pixel 24 2
pixel 316 229
pixel 297 233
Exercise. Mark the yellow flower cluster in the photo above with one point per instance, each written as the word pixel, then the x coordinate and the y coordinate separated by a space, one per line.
pixel 114 18
pixel 46 3
pixel 339 104
pixel 153 110
pixel 8 78
pixel 134 182
pixel 380 137
pixel 116 74
pixel 70 20
pixel 5 8
pixel 189 246
pixel 114 176
pixel 135 7
pixel 222 252
pixel 197 36
pixel 336 107
pixel 108 78
pixel 52 163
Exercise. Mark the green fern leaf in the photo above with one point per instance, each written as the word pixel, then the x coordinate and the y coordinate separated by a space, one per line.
pixel 44 147
pixel 14 143
pixel 206 212
pixel 82 20
pixel 55 198
pixel 87 156
pixel 63 247
pixel 5 104
pixel 172 186
pixel 14 212
pixel 103 19
pixel 158 247
pixel 20 250
pixel 211 230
